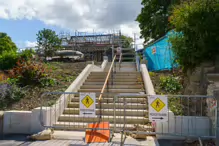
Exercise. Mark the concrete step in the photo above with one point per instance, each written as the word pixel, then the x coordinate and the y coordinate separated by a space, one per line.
pixel 81 126
pixel 129 53
pixel 119 119
pixel 110 112
pixel 111 105
pixel 114 83
pixel 119 100
pixel 112 90
pixel 122 65
pixel 113 76
pixel 112 86
pixel 111 94
pixel 116 80
pixel 119 73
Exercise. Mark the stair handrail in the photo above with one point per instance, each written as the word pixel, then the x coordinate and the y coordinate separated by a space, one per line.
pixel 120 60
pixel 107 78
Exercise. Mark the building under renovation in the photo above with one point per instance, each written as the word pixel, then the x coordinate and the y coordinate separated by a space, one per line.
pixel 93 45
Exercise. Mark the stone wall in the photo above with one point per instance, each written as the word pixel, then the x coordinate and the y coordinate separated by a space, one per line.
pixel 197 84
pixel 197 79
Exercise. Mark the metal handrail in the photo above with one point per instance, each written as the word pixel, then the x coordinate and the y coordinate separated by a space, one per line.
pixel 107 78
pixel 120 60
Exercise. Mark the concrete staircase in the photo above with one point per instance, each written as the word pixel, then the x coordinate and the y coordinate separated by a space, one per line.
pixel 125 80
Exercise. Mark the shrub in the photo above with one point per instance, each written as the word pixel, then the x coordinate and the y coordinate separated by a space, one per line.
pixel 48 81
pixel 27 54
pixel 8 60
pixel 9 94
pixel 28 72
pixel 198 21
pixel 3 76
pixel 12 81
pixel 170 84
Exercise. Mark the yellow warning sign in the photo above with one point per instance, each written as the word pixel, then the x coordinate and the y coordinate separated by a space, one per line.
pixel 158 104
pixel 87 101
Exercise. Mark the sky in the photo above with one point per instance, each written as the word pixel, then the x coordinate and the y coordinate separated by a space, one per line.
pixel 22 19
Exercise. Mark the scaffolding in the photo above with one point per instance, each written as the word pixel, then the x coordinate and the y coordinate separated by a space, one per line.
pixel 94 44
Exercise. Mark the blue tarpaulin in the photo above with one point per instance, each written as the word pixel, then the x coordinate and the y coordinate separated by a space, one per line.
pixel 159 55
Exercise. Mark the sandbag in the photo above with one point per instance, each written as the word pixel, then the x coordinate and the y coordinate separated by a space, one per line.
pixel 44 135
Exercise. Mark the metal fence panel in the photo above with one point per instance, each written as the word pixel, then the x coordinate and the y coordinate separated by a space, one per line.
pixel 189 116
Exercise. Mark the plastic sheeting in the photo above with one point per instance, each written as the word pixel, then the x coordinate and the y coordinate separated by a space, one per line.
pixel 160 56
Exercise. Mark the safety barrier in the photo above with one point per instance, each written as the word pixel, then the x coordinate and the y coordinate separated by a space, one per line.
pixel 64 114
pixel 187 117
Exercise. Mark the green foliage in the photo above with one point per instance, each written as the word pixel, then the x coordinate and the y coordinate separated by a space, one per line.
pixel 48 82
pixel 8 54
pixel 48 42
pixel 170 84
pixel 175 105
pixel 126 41
pixel 197 21
pixel 8 60
pixel 28 72
pixel 27 54
pixel 12 81
pixel 6 44
pixel 153 19
pixel 151 74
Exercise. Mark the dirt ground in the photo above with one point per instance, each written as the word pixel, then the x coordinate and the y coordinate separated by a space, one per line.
pixel 64 73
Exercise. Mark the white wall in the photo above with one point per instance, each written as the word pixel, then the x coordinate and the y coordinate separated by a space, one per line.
pixel 17 122
pixel 178 127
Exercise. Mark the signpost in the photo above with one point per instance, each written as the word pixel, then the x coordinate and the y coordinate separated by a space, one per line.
pixel 158 108
pixel 88 104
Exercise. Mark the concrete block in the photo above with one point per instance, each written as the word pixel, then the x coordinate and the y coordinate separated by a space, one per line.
pixel 17 122
pixel 36 125
pixel 180 126
pixel 166 127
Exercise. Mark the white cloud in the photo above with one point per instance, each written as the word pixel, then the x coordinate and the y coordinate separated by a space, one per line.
pixel 29 44
pixel 77 14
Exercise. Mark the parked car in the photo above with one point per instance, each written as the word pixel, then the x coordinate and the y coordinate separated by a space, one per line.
pixel 68 55
pixel 65 55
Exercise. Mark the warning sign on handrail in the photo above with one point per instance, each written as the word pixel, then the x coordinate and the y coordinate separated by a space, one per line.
pixel 158 108
pixel 87 104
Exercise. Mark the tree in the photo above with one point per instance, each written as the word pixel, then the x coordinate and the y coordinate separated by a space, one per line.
pixel 197 39
pixel 8 52
pixel 127 41
pixel 154 16
pixel 48 42
pixel 6 44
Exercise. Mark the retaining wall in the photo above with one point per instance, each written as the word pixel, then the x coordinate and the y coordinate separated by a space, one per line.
pixel 29 122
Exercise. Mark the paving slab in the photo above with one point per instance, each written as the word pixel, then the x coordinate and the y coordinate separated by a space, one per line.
pixel 69 138
pixel 12 140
